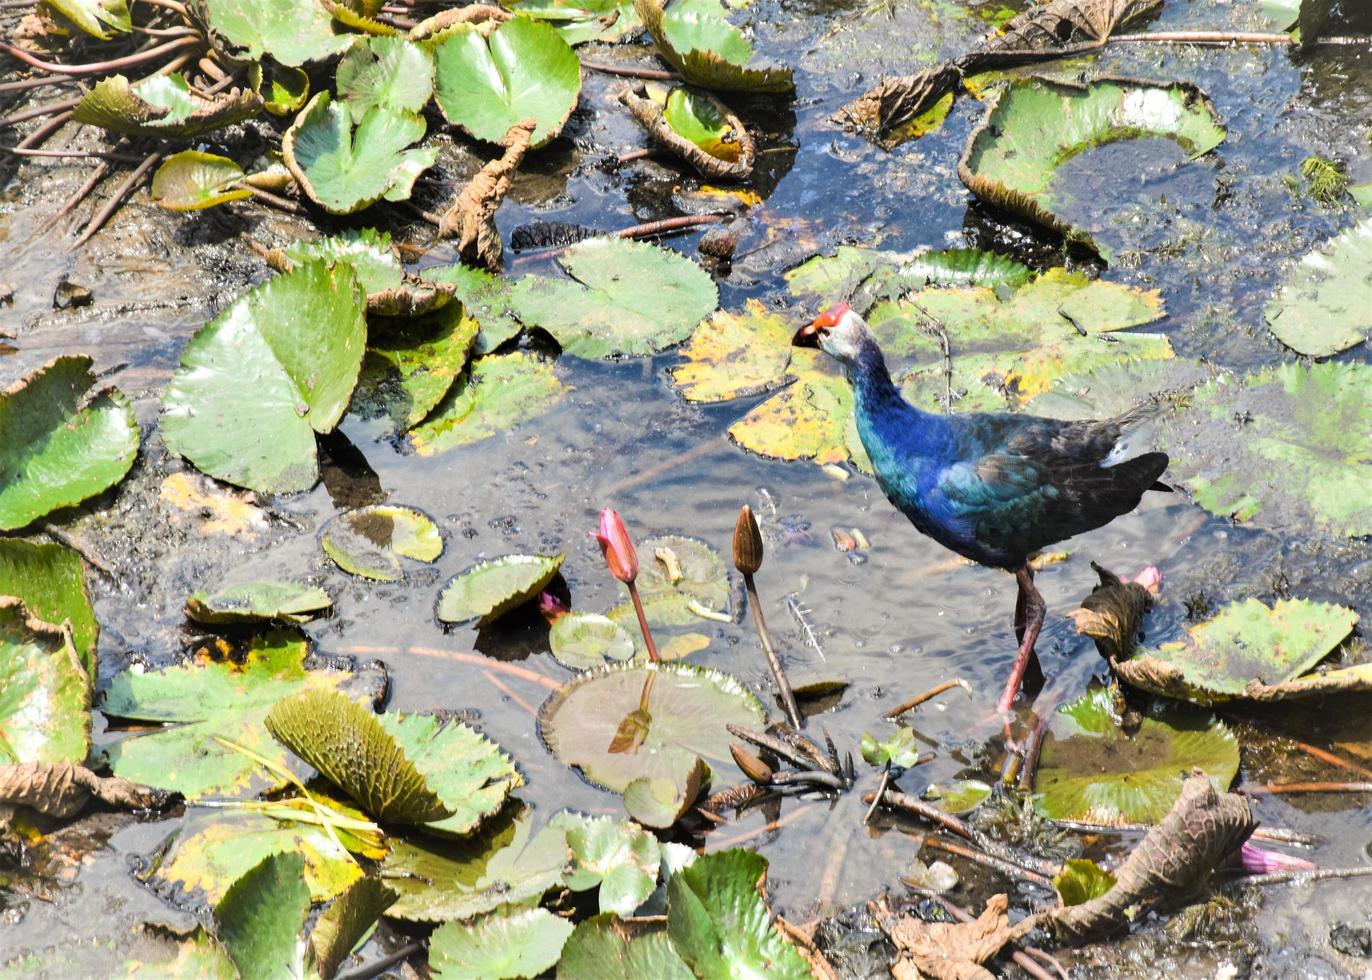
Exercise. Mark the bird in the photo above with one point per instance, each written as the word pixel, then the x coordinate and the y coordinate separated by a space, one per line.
pixel 993 487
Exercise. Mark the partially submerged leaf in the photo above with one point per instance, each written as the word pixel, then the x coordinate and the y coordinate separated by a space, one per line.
pixel 374 259
pixel 686 567
pixel 689 708
pixel 491 588
pixel 861 276
pixel 582 21
pixel 192 180
pixel 581 641
pixel 661 801
pixel 45 693
pixel 697 40
pixel 161 105
pixel 900 749
pixel 370 541
pixel 258 601
pixel 962 796
pixel 484 296
pixel 1249 650
pixel 1011 159
pixel 486 85
pixel 696 127
pixel 261 915
pixel 390 72
pixel 1081 880
pixel 282 90
pixel 628 298
pixel 1322 306
pixel 51 581
pixel 500 392
pixel 902 107
pixel 60 442
pixel 608 949
pixel 98 18
pixel 411 364
pixel 343 924
pixel 292 33
pixel 1092 771
pixel 500 945
pixel 343 169
pixel 617 856
pixel 206 697
pixel 258 381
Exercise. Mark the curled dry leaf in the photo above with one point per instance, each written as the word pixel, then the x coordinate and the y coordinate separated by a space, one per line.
pixel 948 951
pixel 477 13
pixel 882 112
pixel 62 789
pixel 1200 832
pixel 1113 612
pixel 729 156
pixel 470 218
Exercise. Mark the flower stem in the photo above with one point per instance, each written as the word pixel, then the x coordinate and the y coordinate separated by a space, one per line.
pixel 643 623
pixel 788 698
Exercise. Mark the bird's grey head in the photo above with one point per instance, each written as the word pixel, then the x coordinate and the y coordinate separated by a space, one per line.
pixel 838 331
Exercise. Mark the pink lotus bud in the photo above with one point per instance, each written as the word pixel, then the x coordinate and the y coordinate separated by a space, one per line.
pixel 1257 861
pixel 1151 579
pixel 551 608
pixel 616 547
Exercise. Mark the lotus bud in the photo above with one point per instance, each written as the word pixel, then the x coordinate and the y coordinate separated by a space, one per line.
pixel 616 546
pixel 1257 861
pixel 551 608
pixel 753 767
pixel 747 542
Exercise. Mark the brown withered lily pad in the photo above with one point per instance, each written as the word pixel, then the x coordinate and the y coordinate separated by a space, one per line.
pixel 695 126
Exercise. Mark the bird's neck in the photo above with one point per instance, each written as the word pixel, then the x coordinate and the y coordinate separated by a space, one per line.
pixel 873 388
pixel 883 414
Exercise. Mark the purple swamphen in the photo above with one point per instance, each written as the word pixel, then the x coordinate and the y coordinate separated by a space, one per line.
pixel 993 488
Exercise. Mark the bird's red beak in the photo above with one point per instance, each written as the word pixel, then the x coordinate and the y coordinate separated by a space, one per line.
pixel 808 335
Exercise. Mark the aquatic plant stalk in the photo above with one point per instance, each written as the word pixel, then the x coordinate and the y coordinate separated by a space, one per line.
pixel 99 67
pixel 632 71
pixel 933 692
pixel 748 552
pixel 117 199
pixel 1000 865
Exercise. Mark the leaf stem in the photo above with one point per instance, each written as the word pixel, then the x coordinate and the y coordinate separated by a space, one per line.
pixel 40 110
pixel 100 67
pixel 632 71
pixel 120 192
pixel 477 659
pixel 1276 788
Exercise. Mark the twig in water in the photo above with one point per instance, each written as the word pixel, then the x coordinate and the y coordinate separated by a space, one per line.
pixel 39 110
pixel 276 201
pixel 72 154
pixel 79 195
pixel 23 85
pixel 504 667
pixel 121 192
pixel 1305 877
pixel 933 692
pixel 988 861
pixel 100 67
pixel 40 134
pixel 1272 789
pixel 876 797
pixel 681 223
pixel 631 71
pixel 799 614
pixel 1205 37
pixel 633 155
pixel 1326 756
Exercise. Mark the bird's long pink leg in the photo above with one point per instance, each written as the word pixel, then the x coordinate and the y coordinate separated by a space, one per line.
pixel 1034 608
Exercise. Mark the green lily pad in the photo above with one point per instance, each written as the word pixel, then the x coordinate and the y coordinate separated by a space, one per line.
pixel 45 693
pixel 586 20
pixel 209 851
pixel 487 84
pixel 688 709
pixel 201 956
pixel 1036 124
pixel 98 18
pixel 261 915
pixel 617 856
pixel 292 33
pixel 1081 880
pixel 161 105
pixel 1113 389
pixel 1090 770
pixel 676 565
pixel 720 924
pixel 659 801
pixel 963 796
pixel 59 443
pixel 1322 306
pixel 260 379
pixel 370 252
pixel 51 581
pixel 200 699
pixel 1244 650
pixel 873 274
pixel 282 90
pixel 1289 446
pixel 501 945
pixel 256 602
pixel 500 392
pixel 344 923
pixel 411 364
pixel 370 541
pixel 390 72
pixel 343 169
pixel 581 640
pixel 900 749
pixel 696 39
pixel 628 298
pixel 608 949
pixel 191 180
pixel 504 863
pixel 734 355
pixel 490 589
pixel 696 118
pixel 484 296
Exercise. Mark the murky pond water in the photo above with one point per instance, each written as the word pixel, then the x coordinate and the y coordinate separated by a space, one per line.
pixel 1212 235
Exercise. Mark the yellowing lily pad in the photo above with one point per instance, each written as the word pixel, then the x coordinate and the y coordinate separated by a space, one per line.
pixel 733 355
pixel 45 693
pixel 260 601
pixel 490 589
pixel 370 541
pixel 500 392
pixel 192 180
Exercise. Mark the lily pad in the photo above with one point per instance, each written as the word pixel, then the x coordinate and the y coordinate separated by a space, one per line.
pixel 500 392
pixel 191 180
pixel 1251 650
pixel 259 380
pixel 865 275
pixel 1036 124
pixel 677 565
pixel 490 589
pixel 370 541
pixel 411 364
pixel 1289 446
pixel 343 169
pixel 60 443
pixel 292 33
pixel 581 640
pixel 261 915
pixel 688 708
pixel 617 856
pixel 608 949
pixel 45 693
pixel 734 355
pixel 720 924
pixel 487 84
pixel 344 923
pixel 660 802
pixel 1090 770
pixel 98 18
pixel 390 72
pixel 901 749
pixel 696 127
pixel 260 601
pixel 585 20
pixel 628 298
pixel 282 90
pixel 502 945
pixel 161 105
pixel 1322 307
pixel 484 296
pixel 205 697
pixel 1081 880
pixel 963 796
pixel 51 581
pixel 696 39
pixel 370 252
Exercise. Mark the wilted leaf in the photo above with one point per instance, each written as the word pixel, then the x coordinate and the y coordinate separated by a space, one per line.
pixel 733 355
pixel 471 218
pixel 261 915
pixel 660 801
pixel 206 697
pixel 689 708
pixel 216 508
pixel 491 588
pixel 191 180
pixel 346 921
pixel 45 693
pixel 938 877
pixel 1010 162
pixel 697 40
pixel 900 749
pixel 1090 770
pixel 60 442
pixel 1249 650
pixel 501 945
pixel 523 69
pixel 390 72
pixel 411 364
pixel 500 392
pixel 585 20
pixel 1322 307
pixel 98 18
pixel 255 602
pixel 1081 880
pixel 259 380
pixel 696 127
pixel 374 259
pixel 485 297
pixel 370 541
pixel 617 856
pixel 948 951
pixel 51 581
pixel 581 641
pixel 1112 614
pixel 628 298
pixel 608 949
pixel 902 107
pixel 291 32
pixel 161 105
pixel 343 169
